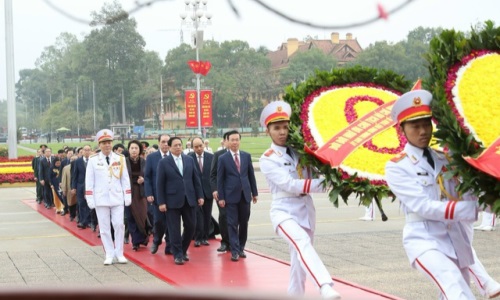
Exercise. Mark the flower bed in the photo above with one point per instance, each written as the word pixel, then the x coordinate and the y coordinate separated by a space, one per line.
pixel 16 170
pixel 19 159
pixel 15 178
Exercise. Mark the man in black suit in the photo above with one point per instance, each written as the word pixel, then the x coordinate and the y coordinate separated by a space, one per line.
pixel 237 188
pixel 35 165
pixel 64 162
pixel 203 161
pixel 159 218
pixel 67 160
pixel 78 188
pixel 44 177
pixel 179 191
pixel 224 243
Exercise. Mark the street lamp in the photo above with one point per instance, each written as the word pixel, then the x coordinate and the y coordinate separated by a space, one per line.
pixel 196 10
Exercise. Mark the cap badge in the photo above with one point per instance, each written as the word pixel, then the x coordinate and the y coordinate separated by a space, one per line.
pixel 417 101
pixel 279 108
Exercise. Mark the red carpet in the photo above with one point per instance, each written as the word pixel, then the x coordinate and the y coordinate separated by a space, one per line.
pixel 208 268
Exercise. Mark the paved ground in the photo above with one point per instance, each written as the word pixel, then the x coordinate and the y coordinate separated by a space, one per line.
pixel 36 252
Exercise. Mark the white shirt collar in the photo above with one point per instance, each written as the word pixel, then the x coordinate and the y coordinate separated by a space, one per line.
pixel 414 153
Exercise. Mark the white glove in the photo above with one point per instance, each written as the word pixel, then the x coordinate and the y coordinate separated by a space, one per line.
pixel 128 201
pixel 90 204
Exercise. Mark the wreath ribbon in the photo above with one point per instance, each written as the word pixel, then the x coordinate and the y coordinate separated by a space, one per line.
pixel 488 161
pixel 341 145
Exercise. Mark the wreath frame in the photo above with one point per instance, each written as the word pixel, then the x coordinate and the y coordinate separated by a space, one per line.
pixel 447 51
pixel 341 185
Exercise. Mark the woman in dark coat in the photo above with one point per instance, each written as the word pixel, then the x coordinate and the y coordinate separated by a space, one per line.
pixel 55 180
pixel 136 213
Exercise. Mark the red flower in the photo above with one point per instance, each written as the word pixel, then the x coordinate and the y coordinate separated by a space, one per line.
pixel 18 177
pixel 19 159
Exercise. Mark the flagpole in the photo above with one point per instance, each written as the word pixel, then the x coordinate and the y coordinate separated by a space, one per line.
pixel 197 12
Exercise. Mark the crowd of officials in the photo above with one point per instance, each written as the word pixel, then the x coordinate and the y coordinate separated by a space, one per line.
pixel 167 183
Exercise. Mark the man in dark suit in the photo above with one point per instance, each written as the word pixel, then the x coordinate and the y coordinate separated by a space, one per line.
pixel 179 191
pixel 224 243
pixel 35 165
pixel 67 160
pixel 159 218
pixel 44 177
pixel 237 187
pixel 64 162
pixel 78 188
pixel 203 161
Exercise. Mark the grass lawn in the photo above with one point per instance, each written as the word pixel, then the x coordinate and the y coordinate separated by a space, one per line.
pixel 254 145
pixel 23 152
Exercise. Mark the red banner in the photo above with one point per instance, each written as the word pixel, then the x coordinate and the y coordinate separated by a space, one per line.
pixel 206 108
pixel 192 108
pixel 356 134
pixel 488 161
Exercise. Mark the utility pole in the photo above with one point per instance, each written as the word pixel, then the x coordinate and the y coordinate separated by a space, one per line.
pixel 9 62
pixel 93 101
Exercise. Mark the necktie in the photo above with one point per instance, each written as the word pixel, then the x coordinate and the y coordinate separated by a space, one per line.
pixel 85 161
pixel 237 161
pixel 178 162
pixel 200 162
pixel 48 160
pixel 107 159
pixel 428 155
pixel 289 152
pixel 165 155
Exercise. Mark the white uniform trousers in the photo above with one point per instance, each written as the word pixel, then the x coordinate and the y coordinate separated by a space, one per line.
pixel 370 210
pixel 304 260
pixel 444 272
pixel 489 219
pixel 479 275
pixel 107 215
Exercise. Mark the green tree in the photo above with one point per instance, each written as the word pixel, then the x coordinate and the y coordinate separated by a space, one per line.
pixel 58 115
pixel 114 52
pixel 238 76
pixel 147 91
pixel 176 66
pixel 31 91
pixel 304 64
pixel 404 57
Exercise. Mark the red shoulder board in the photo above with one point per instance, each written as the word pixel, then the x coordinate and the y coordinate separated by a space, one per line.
pixel 398 157
pixel 268 152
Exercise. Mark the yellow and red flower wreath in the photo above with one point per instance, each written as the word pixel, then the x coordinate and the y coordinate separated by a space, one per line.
pixel 327 103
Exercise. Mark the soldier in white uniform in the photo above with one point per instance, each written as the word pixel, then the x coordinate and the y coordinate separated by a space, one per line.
pixel 435 236
pixel 292 210
pixel 107 189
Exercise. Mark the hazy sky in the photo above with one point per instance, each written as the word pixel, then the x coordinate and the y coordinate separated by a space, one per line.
pixel 36 25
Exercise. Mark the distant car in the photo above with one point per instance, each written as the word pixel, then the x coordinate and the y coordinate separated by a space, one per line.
pixel 3 138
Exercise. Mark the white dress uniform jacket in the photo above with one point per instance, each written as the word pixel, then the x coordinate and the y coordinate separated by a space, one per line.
pixel 291 199
pixel 433 221
pixel 107 185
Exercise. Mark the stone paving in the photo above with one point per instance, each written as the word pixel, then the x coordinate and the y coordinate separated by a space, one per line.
pixel 36 252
